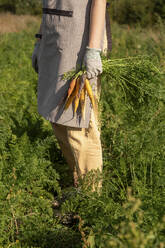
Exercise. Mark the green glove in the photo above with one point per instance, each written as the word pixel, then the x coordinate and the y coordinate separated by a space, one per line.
pixel 92 62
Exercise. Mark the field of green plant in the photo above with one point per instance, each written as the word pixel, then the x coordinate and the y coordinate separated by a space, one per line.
pixel 130 211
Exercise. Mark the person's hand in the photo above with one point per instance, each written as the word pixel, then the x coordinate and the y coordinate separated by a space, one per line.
pixel 34 56
pixel 92 62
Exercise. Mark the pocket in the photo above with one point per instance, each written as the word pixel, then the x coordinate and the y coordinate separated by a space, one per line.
pixel 59 12
pixel 58 23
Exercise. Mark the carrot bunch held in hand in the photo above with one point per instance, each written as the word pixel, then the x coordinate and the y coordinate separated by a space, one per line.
pixel 78 88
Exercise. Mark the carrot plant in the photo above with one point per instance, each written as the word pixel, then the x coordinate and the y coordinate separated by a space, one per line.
pixel 33 170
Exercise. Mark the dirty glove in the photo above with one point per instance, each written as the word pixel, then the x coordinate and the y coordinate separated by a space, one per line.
pixel 35 56
pixel 92 62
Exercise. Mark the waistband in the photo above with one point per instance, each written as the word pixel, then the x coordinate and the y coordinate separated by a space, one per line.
pixel 59 12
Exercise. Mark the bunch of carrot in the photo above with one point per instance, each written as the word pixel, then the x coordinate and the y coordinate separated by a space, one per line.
pixel 124 72
pixel 78 88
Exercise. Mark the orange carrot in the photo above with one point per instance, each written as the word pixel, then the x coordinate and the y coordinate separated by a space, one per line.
pixel 71 87
pixel 70 99
pixel 77 85
pixel 73 94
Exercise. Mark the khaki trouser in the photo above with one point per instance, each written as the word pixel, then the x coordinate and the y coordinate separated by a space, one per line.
pixel 81 147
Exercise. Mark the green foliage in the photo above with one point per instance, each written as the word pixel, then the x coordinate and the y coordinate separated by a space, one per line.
pixel 160 8
pixel 21 6
pixel 28 178
pixel 28 6
pixel 32 169
pixel 145 12
pixel 106 223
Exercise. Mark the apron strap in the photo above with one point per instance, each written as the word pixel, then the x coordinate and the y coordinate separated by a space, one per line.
pixel 108 28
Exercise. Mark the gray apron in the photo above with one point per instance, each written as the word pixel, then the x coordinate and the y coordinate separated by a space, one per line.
pixel 65 34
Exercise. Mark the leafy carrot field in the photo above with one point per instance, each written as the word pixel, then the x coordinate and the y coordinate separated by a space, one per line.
pixel 130 212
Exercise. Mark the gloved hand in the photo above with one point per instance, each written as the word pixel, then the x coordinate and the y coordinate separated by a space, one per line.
pixel 92 62
pixel 34 56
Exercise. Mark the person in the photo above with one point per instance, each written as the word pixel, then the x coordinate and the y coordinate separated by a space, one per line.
pixel 72 33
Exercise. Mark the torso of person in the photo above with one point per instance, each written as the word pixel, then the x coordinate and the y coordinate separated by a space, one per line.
pixel 65 35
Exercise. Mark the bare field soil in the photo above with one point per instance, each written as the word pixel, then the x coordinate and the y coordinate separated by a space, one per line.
pixel 10 23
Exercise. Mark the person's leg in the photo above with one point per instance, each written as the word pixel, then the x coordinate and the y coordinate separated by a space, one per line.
pixel 85 143
pixel 86 146
pixel 61 134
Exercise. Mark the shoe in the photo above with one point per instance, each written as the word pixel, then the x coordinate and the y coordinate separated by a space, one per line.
pixel 67 219
pixel 66 195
